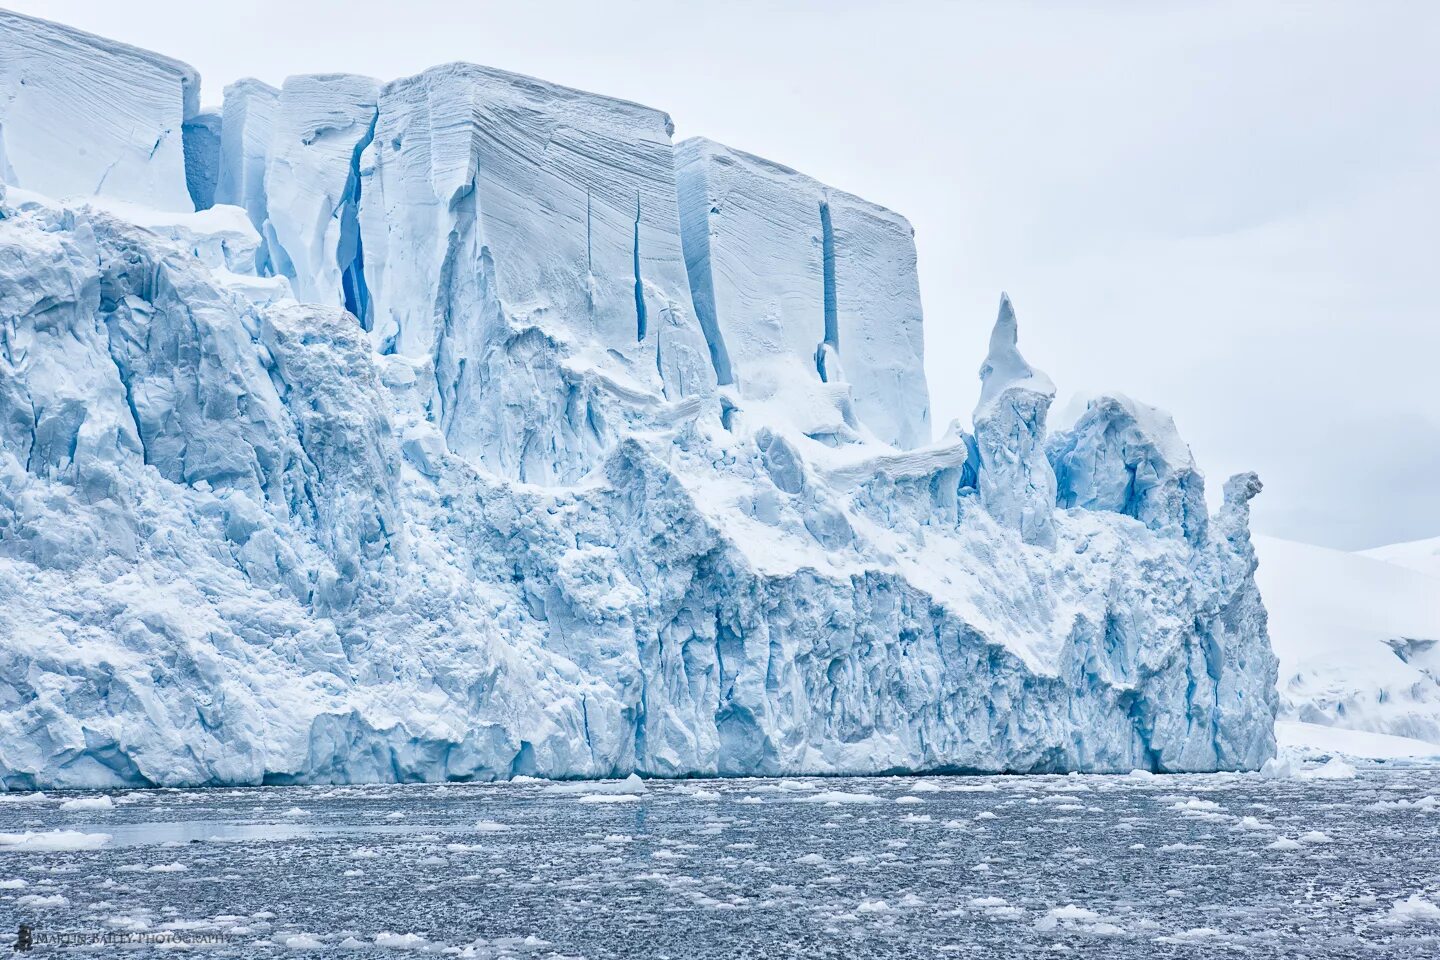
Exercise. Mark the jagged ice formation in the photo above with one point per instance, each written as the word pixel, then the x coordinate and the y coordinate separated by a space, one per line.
pixel 476 431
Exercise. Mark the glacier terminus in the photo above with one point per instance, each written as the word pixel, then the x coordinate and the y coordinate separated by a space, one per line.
pixel 464 426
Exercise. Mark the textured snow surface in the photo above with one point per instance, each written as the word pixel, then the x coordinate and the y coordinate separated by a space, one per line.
pixel 487 500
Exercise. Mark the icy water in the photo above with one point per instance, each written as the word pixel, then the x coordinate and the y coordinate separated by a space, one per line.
pixel 1184 866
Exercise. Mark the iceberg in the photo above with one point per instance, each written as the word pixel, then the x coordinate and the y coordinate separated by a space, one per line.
pixel 464 437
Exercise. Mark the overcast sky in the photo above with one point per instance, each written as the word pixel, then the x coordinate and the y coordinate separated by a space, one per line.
pixel 1229 210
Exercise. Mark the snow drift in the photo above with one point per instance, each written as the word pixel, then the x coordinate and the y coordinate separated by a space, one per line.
pixel 576 456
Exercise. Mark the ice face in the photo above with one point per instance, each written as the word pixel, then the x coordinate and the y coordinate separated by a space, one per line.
pixel 1126 456
pixel 84 116
pixel 312 187
pixel 791 279
pixel 248 124
pixel 521 240
pixel 471 502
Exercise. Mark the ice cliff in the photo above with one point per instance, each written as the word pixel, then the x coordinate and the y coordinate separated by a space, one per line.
pixel 476 430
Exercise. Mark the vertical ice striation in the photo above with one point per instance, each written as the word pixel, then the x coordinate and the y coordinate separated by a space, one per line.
pixel 248 123
pixel 312 187
pixel 84 116
pixel 1127 457
pixel 790 277
pixel 512 227
pixel 1016 481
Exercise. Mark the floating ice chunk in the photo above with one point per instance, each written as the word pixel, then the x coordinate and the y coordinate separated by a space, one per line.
pixel 1081 919
pixel 37 901
pixel 609 798
pixel 299 941
pixel 1283 843
pixel 1195 805
pixel 1413 909
pixel 401 941
pixel 839 797
pixel 15 884
pixel 490 826
pixel 52 841
pixel 84 116
pixel 1315 836
pixel 101 802
pixel 1332 769
pixel 632 784
pixel 168 868
pixel 1277 768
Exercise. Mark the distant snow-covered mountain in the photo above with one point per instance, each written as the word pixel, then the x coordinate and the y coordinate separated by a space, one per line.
pixel 1358 638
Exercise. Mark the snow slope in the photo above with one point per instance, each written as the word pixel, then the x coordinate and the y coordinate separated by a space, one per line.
pixel 485 501
pixel 1420 555
pixel 1356 638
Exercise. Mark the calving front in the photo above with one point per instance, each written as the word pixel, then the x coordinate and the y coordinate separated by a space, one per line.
pixel 479 431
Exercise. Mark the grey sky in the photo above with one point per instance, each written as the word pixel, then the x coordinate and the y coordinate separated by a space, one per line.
pixel 1229 210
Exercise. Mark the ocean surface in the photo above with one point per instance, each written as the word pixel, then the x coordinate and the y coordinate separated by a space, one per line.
pixel 1131 866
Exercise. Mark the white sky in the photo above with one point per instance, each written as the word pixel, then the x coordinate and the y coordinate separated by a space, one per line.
pixel 1229 210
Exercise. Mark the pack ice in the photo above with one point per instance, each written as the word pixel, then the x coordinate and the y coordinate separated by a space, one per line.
pixel 477 430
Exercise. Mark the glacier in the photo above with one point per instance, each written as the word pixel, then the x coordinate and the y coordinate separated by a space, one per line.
pixel 471 428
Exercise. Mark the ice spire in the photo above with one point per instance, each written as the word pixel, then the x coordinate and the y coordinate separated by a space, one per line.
pixel 1004 367
pixel 1016 481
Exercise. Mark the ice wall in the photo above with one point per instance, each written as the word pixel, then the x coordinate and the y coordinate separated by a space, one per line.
pixel 516 232
pixel 84 116
pixel 800 285
pixel 492 497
